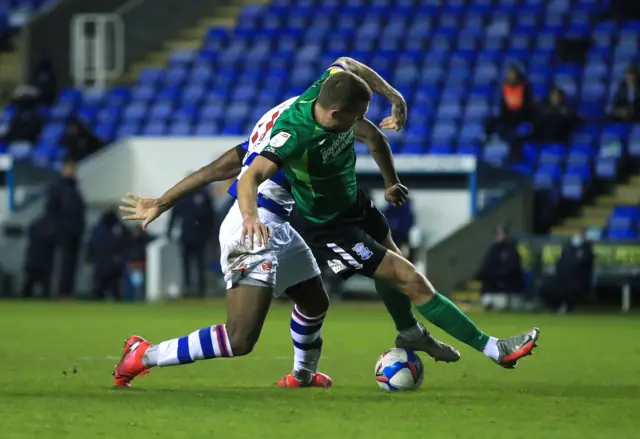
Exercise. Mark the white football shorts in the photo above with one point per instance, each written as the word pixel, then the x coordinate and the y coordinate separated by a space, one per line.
pixel 286 261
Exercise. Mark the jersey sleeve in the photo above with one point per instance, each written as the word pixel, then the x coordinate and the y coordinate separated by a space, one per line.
pixel 242 149
pixel 283 147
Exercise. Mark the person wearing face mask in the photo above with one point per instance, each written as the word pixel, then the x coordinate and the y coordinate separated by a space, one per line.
pixel 107 252
pixel 574 275
pixel 501 273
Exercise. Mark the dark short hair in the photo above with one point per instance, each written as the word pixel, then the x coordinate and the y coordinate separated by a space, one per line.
pixel 344 91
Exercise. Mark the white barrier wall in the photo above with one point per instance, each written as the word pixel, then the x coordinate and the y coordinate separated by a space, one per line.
pixel 149 166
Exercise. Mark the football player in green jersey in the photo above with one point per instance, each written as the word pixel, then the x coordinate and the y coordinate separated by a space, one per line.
pixel 313 143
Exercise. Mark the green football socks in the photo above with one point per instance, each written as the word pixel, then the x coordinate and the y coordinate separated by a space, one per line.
pixel 447 316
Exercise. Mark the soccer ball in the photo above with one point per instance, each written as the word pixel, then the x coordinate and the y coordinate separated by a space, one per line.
pixel 399 369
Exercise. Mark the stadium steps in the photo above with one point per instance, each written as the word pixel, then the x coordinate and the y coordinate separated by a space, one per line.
pixel 597 214
pixel 468 297
pixel 190 38
pixel 10 75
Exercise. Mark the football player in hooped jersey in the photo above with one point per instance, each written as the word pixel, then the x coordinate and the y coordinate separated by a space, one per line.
pixel 250 275
pixel 312 141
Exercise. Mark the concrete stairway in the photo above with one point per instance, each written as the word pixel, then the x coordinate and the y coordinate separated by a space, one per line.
pixel 597 213
pixel 468 297
pixel 10 75
pixel 222 16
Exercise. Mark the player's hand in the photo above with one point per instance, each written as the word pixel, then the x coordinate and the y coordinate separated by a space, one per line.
pixel 253 227
pixel 398 117
pixel 141 209
pixel 396 195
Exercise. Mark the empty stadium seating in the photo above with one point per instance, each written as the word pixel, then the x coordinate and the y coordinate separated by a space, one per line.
pixel 447 58
pixel 13 13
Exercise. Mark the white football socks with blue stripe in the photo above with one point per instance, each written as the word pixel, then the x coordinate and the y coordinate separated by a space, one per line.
pixel 307 343
pixel 206 343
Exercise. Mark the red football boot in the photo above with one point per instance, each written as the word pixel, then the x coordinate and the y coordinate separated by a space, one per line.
pixel 130 365
pixel 317 380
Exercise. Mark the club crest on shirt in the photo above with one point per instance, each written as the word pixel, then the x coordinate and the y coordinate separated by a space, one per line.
pixel 362 251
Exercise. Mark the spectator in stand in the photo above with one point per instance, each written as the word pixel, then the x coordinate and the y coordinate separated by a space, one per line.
pixel 626 104
pixel 516 106
pixel 65 206
pixel 197 218
pixel 80 141
pixel 574 276
pixel 27 123
pixel 554 120
pixel 501 273
pixel 44 79
pixel 39 256
pixel 107 253
pixel 5 34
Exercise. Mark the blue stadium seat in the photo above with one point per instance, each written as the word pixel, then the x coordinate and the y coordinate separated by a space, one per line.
pixel 552 154
pixel 155 128
pixel 106 132
pixel 182 57
pixel 128 129
pixel 443 133
pixel 150 76
pixel 108 115
pixel 143 93
pixel 624 217
pixel 160 111
pixel 496 152
pixel 52 133
pixel 572 187
pixel 62 111
pixel 135 111
pixel 621 234
pixel 606 168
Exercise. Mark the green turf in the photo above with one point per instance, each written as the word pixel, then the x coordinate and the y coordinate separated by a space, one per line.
pixel 581 383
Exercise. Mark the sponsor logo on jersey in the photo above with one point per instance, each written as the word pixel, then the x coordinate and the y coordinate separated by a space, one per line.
pixel 279 139
pixel 362 251
pixel 339 144
pixel 336 266
pixel 266 267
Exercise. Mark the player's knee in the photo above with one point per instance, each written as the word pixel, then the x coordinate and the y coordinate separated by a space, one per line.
pixel 242 341
pixel 316 306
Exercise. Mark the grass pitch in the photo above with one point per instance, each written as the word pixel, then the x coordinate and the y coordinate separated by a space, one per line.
pixel 57 359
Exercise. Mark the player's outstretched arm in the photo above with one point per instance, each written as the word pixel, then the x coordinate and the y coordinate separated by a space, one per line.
pixel 378 85
pixel 259 171
pixel 227 166
pixel 378 144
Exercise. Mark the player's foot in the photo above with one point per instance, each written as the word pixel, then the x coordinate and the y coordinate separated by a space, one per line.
pixel 514 348
pixel 427 343
pixel 317 380
pixel 131 365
